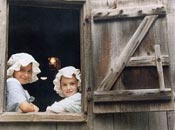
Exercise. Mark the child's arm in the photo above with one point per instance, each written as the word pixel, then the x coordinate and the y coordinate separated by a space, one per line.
pixel 69 104
pixel 28 107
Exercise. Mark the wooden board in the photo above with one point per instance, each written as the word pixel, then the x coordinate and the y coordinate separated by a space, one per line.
pixel 42 117
pixel 3 50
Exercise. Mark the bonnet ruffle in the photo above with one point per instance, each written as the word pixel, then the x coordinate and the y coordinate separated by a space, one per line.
pixel 23 59
pixel 68 73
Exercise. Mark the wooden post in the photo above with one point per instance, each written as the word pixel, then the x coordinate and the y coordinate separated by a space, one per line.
pixel 3 51
pixel 159 67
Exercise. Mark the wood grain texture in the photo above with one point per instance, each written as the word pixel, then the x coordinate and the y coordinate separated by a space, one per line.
pixel 3 50
pixel 171 46
pixel 127 52
pixel 108 40
pixel 159 67
pixel 120 13
pixel 61 4
pixel 28 126
pixel 133 95
pixel 42 117
pixel 147 61
pixel 71 126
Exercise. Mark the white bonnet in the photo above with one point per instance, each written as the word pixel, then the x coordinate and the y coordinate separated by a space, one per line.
pixel 68 73
pixel 22 59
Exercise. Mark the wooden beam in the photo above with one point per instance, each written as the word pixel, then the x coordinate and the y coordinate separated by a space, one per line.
pixel 60 4
pixel 3 50
pixel 159 67
pixel 42 117
pixel 58 1
pixel 128 51
pixel 118 13
pixel 147 61
pixel 47 1
pixel 132 95
pixel 140 106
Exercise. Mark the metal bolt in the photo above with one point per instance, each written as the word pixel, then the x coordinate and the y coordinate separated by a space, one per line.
pixel 158 59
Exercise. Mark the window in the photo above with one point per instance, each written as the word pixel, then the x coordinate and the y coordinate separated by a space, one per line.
pixel 45 30
pixel 45 33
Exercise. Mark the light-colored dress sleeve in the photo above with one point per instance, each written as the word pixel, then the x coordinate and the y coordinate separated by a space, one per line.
pixel 69 104
pixel 15 95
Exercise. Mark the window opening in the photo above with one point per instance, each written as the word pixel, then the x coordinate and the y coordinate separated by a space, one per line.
pixel 45 33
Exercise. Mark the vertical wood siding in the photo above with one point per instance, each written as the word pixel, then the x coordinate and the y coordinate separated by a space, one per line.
pixel 106 4
pixel 171 45
pixel 108 39
pixel 42 126
pixel 3 49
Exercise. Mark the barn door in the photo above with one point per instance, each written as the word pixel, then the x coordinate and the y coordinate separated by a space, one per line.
pixel 132 76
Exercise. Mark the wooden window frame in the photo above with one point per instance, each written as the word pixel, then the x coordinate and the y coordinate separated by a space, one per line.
pixel 35 116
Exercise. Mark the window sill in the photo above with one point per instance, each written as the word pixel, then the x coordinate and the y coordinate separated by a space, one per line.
pixel 42 117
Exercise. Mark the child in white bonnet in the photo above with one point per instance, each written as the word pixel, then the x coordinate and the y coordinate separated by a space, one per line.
pixel 67 84
pixel 23 69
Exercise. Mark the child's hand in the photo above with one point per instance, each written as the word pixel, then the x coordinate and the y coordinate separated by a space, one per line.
pixel 36 109
pixel 28 107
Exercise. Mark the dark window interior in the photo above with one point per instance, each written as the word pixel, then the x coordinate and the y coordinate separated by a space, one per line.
pixel 43 33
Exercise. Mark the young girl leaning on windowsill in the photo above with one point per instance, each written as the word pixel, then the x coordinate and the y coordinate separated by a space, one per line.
pixel 67 84
pixel 22 69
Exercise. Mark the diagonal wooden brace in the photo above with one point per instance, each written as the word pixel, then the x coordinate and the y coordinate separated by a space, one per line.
pixel 127 52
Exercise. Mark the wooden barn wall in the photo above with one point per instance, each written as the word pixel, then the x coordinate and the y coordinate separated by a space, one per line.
pixel 114 35
pixel 171 40
pixel 42 126
pixel 109 37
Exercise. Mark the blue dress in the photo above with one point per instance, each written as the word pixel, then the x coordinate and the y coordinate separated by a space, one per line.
pixel 16 94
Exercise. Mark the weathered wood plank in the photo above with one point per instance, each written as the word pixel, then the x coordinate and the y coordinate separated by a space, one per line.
pixel 104 122
pixel 112 4
pixel 128 3
pixel 70 126
pixel 120 107
pixel 147 61
pixel 49 3
pixel 42 117
pixel 3 50
pixel 159 67
pixel 127 52
pixel 171 38
pixel 42 126
pixel 58 1
pixel 118 13
pixel 28 126
pixel 132 95
pixel 131 121
pixel 170 120
pixel 171 46
pixel 157 121
pixel 85 56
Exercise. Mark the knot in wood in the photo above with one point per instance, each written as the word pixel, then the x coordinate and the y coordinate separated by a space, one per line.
pixel 158 59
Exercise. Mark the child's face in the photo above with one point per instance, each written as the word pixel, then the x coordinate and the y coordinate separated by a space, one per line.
pixel 69 86
pixel 24 74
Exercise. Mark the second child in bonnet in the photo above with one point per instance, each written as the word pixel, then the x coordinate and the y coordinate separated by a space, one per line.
pixel 67 84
